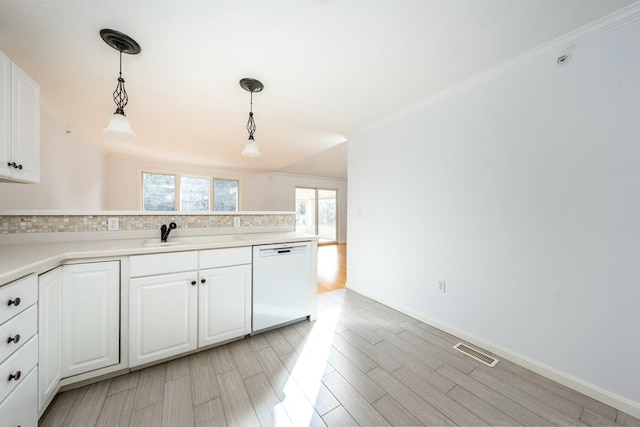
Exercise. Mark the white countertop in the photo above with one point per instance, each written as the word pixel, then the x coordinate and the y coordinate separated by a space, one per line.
pixel 19 260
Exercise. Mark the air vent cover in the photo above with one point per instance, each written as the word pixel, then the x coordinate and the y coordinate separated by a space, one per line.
pixel 476 354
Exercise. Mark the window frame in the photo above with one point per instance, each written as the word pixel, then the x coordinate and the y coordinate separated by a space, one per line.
pixel 178 175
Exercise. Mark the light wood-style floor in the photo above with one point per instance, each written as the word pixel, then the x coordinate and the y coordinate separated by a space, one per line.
pixel 332 267
pixel 360 363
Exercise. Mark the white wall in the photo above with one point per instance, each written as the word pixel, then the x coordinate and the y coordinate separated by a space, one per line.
pixel 260 191
pixel 72 174
pixel 522 192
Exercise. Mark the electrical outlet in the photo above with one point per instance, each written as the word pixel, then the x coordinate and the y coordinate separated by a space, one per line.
pixel 442 286
pixel 113 224
pixel 236 221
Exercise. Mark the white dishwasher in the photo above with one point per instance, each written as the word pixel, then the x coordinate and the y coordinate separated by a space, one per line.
pixel 282 288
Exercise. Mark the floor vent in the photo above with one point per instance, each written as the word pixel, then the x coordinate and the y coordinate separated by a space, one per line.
pixel 478 355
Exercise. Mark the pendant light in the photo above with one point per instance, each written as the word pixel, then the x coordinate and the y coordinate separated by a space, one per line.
pixel 251 148
pixel 119 123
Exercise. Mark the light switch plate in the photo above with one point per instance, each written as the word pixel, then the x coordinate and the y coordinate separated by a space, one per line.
pixel 236 221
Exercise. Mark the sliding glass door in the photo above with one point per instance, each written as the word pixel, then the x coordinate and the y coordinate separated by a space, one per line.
pixel 317 213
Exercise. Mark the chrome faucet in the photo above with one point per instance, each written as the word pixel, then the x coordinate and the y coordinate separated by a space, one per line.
pixel 164 231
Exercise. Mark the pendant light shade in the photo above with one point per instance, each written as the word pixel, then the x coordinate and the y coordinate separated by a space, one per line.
pixel 119 124
pixel 251 147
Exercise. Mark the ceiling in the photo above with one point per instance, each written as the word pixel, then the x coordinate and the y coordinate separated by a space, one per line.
pixel 328 67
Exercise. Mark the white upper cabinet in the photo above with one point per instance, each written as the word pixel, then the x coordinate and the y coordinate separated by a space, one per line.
pixel 19 124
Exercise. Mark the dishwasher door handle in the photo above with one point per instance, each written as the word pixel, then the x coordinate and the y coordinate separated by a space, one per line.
pixel 284 251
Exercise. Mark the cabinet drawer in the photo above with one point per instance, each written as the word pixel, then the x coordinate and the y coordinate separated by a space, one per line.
pixel 18 296
pixel 214 258
pixel 19 408
pixel 17 331
pixel 14 370
pixel 172 262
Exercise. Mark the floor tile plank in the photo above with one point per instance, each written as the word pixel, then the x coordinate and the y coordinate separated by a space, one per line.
pixel 177 409
pixel 394 412
pixel 245 359
pixel 222 359
pixel 412 402
pixel 237 405
pixel 150 386
pixel 124 382
pixel 625 419
pixel 365 385
pixel 355 356
pixel 443 403
pixel 278 343
pixel 525 400
pixel 209 414
pixel 551 399
pixel 59 409
pixel 88 404
pixel 489 413
pixel 177 368
pixel 117 409
pixel 357 406
pixel 339 417
pixel 204 383
pixel 593 405
pixel 522 415
pixel 150 416
pixel 265 402
pixel 590 418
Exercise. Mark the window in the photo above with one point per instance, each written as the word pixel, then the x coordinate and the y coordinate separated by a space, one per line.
pixel 168 191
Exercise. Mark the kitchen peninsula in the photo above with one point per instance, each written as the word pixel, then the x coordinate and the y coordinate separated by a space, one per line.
pixel 106 302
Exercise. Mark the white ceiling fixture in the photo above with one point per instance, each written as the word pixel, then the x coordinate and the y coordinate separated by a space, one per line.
pixel 251 148
pixel 119 124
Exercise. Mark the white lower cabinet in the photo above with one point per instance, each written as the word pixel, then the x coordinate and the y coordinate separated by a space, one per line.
pixel 162 318
pixel 20 406
pixel 19 352
pixel 172 314
pixel 50 335
pixel 90 316
pixel 224 304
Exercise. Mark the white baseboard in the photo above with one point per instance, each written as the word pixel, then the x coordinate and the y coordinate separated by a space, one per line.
pixel 623 404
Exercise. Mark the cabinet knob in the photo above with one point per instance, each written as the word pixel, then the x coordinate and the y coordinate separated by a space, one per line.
pixel 15 376
pixel 20 167
pixel 203 280
pixel 15 302
pixel 15 339
pixel 193 282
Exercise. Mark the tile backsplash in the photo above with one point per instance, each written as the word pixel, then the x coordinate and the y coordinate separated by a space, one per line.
pixel 51 223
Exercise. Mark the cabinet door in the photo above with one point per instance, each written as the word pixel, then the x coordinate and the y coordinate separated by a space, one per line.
pixel 25 130
pixel 5 115
pixel 49 334
pixel 91 316
pixel 19 408
pixel 224 304
pixel 162 316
